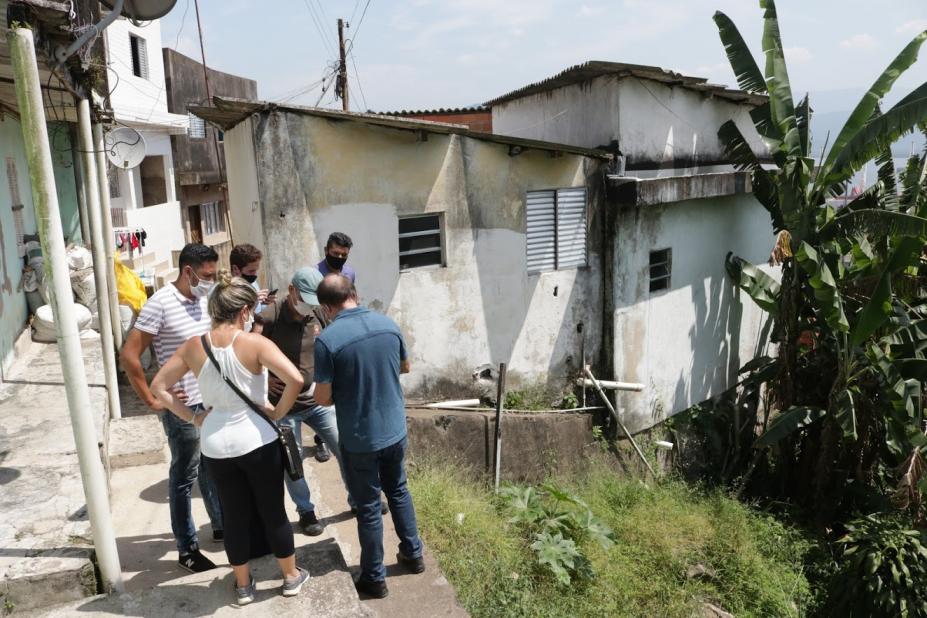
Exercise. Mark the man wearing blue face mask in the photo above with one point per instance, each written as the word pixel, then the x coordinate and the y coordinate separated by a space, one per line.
pixel 172 315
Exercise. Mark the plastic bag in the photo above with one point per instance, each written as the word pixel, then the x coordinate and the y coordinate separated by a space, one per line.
pixel 130 287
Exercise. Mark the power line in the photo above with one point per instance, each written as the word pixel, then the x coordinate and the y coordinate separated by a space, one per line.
pixel 359 23
pixel 357 80
pixel 319 28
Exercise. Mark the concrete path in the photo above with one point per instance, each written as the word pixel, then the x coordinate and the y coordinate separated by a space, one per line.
pixel 45 547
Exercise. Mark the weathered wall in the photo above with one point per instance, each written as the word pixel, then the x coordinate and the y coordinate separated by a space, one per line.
pixel 318 176
pixel 195 158
pixel 656 125
pixel 65 182
pixel 135 96
pixel 164 227
pixel 685 343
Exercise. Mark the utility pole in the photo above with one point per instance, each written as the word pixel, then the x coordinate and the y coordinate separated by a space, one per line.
pixel 106 218
pixel 342 68
pixel 42 177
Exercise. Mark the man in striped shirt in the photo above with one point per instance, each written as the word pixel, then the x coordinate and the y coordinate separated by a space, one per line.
pixel 172 315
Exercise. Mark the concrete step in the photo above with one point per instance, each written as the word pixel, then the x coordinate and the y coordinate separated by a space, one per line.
pixel 137 441
pixel 328 594
pixel 45 533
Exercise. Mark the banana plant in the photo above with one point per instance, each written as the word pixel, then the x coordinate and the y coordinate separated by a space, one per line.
pixel 849 307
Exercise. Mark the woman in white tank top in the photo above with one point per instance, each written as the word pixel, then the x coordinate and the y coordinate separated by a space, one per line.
pixel 240 447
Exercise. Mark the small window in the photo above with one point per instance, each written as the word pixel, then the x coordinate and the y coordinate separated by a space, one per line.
pixel 661 266
pixel 139 56
pixel 196 126
pixel 421 242
pixel 212 214
pixel 556 229
pixel 220 135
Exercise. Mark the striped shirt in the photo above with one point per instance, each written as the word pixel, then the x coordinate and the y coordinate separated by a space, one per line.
pixel 172 318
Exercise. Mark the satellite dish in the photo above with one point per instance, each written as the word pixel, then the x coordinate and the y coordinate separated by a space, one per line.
pixel 143 10
pixel 125 147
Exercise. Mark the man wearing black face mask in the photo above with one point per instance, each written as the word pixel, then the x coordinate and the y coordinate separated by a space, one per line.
pixel 336 254
pixel 245 261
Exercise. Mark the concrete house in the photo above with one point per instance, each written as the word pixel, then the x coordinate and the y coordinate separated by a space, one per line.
pixel 146 196
pixel 197 170
pixel 673 320
pixel 484 248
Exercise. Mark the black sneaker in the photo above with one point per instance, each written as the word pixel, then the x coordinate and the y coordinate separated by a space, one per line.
pixel 322 454
pixel 384 508
pixel 195 562
pixel 218 535
pixel 310 524
pixel 412 565
pixel 372 590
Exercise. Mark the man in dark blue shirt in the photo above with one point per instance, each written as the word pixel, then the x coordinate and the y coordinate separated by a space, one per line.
pixel 358 359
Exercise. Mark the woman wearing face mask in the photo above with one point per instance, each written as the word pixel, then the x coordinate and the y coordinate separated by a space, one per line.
pixel 240 448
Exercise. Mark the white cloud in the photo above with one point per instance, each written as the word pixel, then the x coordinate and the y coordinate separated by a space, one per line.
pixel 859 41
pixel 590 11
pixel 798 55
pixel 912 27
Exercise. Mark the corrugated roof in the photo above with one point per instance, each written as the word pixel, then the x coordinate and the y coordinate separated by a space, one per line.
pixel 433 112
pixel 229 112
pixel 598 68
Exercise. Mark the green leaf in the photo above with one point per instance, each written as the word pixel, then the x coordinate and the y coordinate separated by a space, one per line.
pixel 874 222
pixel 803 118
pixel 912 368
pixel 763 289
pixel 825 287
pixel 788 422
pixel 748 74
pixel 556 554
pixel 874 315
pixel 781 106
pixel 910 339
pixel 846 413
pixel 863 111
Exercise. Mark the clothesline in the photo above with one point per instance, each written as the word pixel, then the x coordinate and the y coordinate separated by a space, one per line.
pixel 131 238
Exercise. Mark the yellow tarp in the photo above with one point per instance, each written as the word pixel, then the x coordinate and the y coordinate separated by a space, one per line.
pixel 130 287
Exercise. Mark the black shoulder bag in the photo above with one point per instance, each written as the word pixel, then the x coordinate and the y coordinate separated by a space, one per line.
pixel 292 458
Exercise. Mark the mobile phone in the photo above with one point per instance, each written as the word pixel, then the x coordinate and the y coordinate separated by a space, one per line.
pixel 273 291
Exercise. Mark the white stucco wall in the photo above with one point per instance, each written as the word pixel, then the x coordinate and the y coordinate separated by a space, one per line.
pixel 318 176
pixel 653 122
pixel 131 95
pixel 164 228
pixel 686 343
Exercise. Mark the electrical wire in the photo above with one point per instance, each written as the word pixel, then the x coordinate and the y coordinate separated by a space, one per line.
pixel 319 28
pixel 357 81
pixel 359 23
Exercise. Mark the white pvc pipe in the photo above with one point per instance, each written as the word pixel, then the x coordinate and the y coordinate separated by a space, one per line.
pixel 612 386
pixel 459 403
pixel 99 258
pixel 45 198
pixel 108 244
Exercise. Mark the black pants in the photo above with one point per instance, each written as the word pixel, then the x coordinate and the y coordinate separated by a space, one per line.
pixel 250 490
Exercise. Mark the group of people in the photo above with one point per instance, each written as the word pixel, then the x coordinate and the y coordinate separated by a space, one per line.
pixel 236 360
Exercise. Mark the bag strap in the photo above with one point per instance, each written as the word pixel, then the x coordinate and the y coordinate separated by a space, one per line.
pixel 257 409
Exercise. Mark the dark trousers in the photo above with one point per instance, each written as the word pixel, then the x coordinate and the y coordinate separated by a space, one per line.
pixel 369 474
pixel 250 489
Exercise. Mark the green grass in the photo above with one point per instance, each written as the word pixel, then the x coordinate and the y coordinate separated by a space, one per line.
pixel 661 530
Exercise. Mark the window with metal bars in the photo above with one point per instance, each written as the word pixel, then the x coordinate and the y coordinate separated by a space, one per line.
pixel 196 126
pixel 421 241
pixel 556 229
pixel 661 266
pixel 139 56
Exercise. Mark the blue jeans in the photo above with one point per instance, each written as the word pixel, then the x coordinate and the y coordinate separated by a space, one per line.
pixel 183 439
pixel 322 421
pixel 368 475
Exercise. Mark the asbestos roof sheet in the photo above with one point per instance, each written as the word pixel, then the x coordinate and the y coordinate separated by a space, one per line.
pixel 599 68
pixel 229 112
pixel 470 109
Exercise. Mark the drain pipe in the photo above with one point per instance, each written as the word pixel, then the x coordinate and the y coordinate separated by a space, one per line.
pixel 42 178
pixel 99 258
pixel 108 248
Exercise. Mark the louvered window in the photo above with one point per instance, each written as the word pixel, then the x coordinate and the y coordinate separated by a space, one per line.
pixel 556 229
pixel 421 242
pixel 139 56
pixel 197 126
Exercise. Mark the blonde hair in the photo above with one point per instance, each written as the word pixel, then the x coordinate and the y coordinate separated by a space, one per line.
pixel 230 296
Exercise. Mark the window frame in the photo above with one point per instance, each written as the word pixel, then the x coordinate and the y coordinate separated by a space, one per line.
pixel 442 241
pixel 138 49
pixel 558 229
pixel 199 122
pixel 666 279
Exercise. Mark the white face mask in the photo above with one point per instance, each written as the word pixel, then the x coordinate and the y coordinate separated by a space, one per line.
pixel 249 323
pixel 202 288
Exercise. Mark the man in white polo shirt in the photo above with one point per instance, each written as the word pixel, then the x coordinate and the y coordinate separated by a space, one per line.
pixel 172 315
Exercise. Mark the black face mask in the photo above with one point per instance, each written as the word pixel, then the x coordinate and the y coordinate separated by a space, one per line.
pixel 335 263
pixel 249 278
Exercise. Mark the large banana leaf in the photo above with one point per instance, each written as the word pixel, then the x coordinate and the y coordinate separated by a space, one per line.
pixel 913 182
pixel 873 221
pixel 781 106
pixel 803 118
pixel 741 155
pixel 788 422
pixel 747 72
pixel 821 279
pixel 871 139
pixel 910 340
pixel 864 108
pixel 763 289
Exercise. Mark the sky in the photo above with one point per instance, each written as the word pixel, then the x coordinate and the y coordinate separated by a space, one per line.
pixel 426 54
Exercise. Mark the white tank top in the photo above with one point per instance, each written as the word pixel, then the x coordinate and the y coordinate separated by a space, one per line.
pixel 232 428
